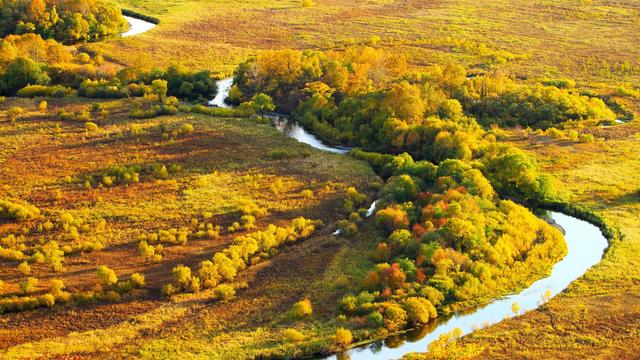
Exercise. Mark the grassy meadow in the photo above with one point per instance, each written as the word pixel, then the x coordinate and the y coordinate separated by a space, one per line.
pixel 592 41
pixel 222 165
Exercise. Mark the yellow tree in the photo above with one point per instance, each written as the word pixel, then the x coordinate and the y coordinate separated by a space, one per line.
pixel 406 102
pixel 38 11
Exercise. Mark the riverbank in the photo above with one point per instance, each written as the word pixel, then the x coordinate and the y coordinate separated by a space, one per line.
pixel 598 316
pixel 586 244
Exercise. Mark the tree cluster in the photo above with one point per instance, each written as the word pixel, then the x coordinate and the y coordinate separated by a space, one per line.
pixel 68 21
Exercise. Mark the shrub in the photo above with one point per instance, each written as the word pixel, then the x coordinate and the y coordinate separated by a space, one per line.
pixel 57 290
pixel 149 252
pixel 224 292
pixel 24 268
pixel 208 273
pixel 185 129
pixel 124 287
pixel 28 285
pixel 343 337
pixel 301 309
pixel 181 276
pixel 43 105
pixel 15 211
pixel 14 113
pixel 106 276
pixel 293 335
pixel 419 311
pixel 90 126
pixel 375 319
pixel 286 153
pixel 169 289
pixel 160 172
pixel 83 58
pixel 395 317
pixel 47 300
pixel 586 138
pixel 32 91
pixel 137 279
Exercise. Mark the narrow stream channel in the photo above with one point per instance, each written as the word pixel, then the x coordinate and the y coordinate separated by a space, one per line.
pixel 585 248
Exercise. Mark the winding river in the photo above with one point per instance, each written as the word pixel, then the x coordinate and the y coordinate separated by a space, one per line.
pixel 585 248
pixel 585 243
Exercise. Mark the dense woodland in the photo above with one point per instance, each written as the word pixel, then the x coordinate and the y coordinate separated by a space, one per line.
pixel 68 21
pixel 448 240
pixel 369 98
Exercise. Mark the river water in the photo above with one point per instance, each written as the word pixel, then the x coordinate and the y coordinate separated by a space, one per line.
pixel 585 248
pixel 137 26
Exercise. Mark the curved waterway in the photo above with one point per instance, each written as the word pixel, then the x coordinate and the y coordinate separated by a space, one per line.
pixel 585 248
pixel 137 26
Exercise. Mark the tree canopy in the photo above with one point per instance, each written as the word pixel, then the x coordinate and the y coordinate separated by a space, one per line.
pixel 68 21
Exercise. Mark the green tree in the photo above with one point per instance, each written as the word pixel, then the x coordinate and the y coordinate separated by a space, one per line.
pixel 262 103
pixel 20 73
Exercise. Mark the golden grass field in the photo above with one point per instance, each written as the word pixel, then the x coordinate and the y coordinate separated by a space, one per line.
pixel 225 163
pixel 587 40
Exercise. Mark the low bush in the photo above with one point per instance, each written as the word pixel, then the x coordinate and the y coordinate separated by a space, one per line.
pixel 32 91
pixel 343 337
pixel 292 335
pixel 137 279
pixel 106 276
pixel 286 153
pixel 301 309
pixel 224 292
pixel 24 268
pixel 10 210
pixel 90 126
pixel 28 285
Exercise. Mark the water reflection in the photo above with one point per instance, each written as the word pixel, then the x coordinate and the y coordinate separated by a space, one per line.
pixel 294 130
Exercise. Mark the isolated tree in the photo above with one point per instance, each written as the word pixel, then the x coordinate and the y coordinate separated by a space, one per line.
pixel 343 337
pixel 302 309
pixel 14 113
pixel 263 103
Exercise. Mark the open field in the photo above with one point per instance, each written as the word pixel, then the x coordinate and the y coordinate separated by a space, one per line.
pixel 223 165
pixel 586 40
